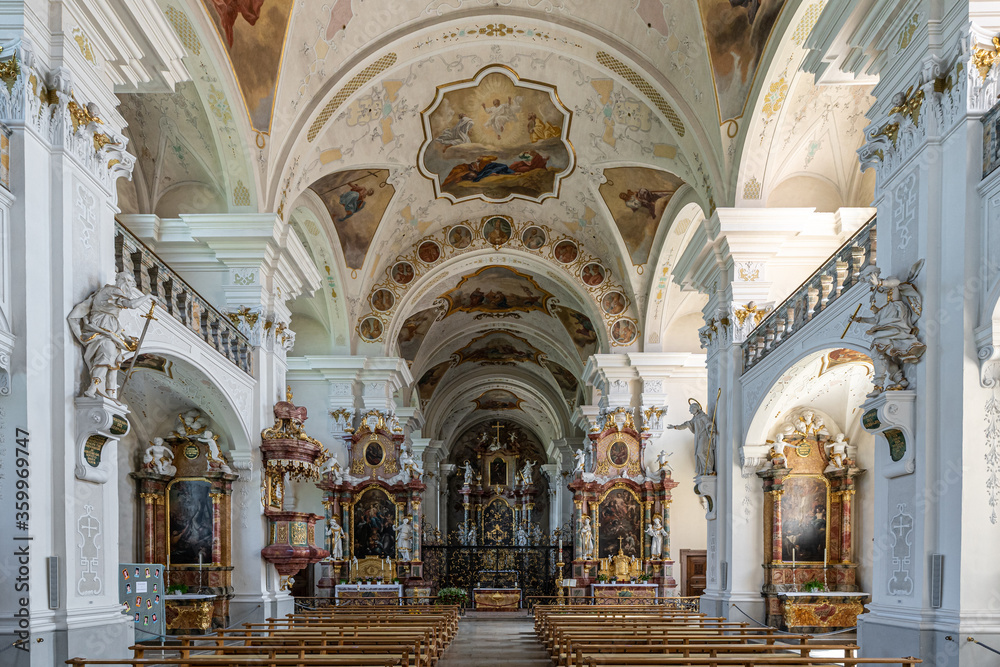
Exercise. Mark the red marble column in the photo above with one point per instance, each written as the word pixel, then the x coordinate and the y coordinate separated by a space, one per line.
pixel 846 499
pixel 776 525
pixel 149 530
pixel 216 529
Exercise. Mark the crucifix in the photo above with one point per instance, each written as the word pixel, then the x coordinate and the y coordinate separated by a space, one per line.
pixel 497 426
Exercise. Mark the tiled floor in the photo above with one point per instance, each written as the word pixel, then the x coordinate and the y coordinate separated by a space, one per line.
pixel 495 642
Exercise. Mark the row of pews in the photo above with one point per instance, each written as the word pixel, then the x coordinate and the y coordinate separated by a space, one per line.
pixel 356 636
pixel 641 636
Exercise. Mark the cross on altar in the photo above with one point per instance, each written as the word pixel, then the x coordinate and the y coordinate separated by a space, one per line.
pixel 497 426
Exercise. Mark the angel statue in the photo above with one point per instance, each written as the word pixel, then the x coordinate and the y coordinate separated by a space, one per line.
pixel 836 452
pixel 410 466
pixel 704 438
pixel 95 325
pixel 159 458
pixel 581 459
pixel 586 539
pixel 894 332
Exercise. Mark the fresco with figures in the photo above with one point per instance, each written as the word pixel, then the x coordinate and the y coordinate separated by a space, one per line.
pixel 496 138
pixel 497 399
pixel 356 201
pixel 636 198
pixel 619 516
pixel 373 518
pixel 253 36
pixel 413 331
pixel 499 348
pixel 496 289
pixel 803 519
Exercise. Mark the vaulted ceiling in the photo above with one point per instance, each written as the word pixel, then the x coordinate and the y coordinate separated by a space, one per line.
pixel 493 191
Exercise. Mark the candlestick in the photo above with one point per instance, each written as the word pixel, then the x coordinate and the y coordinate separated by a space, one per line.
pixel 794 582
pixel 824 570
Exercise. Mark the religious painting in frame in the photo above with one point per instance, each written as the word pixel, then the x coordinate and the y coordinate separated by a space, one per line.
pixel 618 453
pixel 372 453
pixel 619 515
pixel 373 516
pixel 191 521
pixel 496 137
pixel 498 523
pixel 805 508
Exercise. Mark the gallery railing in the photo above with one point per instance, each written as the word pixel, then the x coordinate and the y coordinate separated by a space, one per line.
pixel 532 569
pixel 172 294
pixel 846 267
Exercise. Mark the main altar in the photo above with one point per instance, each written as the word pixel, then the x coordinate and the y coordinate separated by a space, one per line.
pixel 621 515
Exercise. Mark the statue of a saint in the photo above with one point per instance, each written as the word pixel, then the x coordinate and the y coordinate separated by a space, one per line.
pixel 836 452
pixel 470 536
pixel 404 540
pixel 409 465
pixel 704 438
pixel 658 533
pixel 894 332
pixel 159 458
pixel 467 474
pixel 95 325
pixel 581 459
pixel 333 467
pixel 335 534
pixel 586 539
pixel 521 536
pixel 526 472
pixel 661 460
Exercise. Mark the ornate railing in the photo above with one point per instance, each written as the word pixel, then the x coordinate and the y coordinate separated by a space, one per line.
pixel 172 294
pixel 842 270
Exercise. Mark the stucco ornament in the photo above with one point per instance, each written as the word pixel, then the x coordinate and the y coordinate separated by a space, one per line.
pixel 96 326
pixel 894 332
pixel 159 458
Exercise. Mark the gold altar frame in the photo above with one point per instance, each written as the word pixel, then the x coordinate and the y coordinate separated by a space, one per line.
pixel 826 541
pixel 596 515
pixel 400 507
pixel 511 470
pixel 510 508
pixel 633 464
pixel 166 497
pixel 364 451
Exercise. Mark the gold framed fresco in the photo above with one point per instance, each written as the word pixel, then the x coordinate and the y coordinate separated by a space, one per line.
pixel 618 451
pixel 619 514
pixel 373 515
pixel 372 452
pixel 805 516
pixel 496 137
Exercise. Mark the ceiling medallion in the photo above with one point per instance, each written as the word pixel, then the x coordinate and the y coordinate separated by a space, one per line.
pixel 496 137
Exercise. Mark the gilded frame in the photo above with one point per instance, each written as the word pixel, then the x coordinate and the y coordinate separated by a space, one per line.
pixel 826 541
pixel 400 508
pixel 596 516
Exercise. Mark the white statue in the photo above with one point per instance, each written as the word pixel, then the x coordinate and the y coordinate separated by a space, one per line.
pixel 586 539
pixel 470 536
pixel 810 422
pixel 192 423
pixel 581 460
pixel 704 438
pixel 894 332
pixel 836 452
pixel 404 540
pixel 95 325
pixel 159 457
pixel 408 464
pixel 467 474
pixel 658 533
pixel 778 457
pixel 521 536
pixel 661 460
pixel 333 467
pixel 216 460
pixel 336 536
pixel 526 473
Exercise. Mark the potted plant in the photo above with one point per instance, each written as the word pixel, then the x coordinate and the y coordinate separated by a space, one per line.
pixel 177 589
pixel 814 586
pixel 602 579
pixel 644 577
pixel 451 596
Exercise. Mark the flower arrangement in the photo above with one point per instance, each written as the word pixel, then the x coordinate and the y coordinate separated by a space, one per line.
pixel 452 596
pixel 814 586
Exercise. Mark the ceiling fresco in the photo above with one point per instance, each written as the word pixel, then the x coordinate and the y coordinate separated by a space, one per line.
pixel 497 399
pixel 356 201
pixel 499 348
pixel 497 138
pixel 496 289
pixel 253 35
pixel 636 198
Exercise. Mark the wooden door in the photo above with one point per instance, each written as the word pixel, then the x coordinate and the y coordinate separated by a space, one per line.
pixel 694 569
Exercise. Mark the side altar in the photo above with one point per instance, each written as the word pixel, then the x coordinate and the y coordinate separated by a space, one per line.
pixel 373 510
pixel 621 513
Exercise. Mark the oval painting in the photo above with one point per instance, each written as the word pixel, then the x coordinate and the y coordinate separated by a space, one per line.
pixel 370 328
pixel 383 300
pixel 618 453
pixel 460 237
pixel 593 274
pixel 624 331
pixel 533 238
pixel 429 252
pixel 565 252
pixel 402 272
pixel 496 231
pixel 374 454
pixel 613 303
